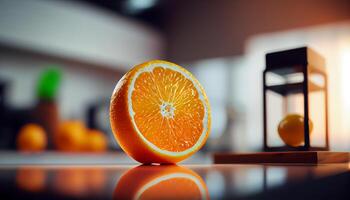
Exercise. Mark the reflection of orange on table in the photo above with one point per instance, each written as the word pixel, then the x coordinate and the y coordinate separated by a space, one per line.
pixel 78 182
pixel 161 182
pixel 95 179
pixel 70 182
pixel 31 179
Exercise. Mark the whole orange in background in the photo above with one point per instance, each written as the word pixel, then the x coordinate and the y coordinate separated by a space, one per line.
pixel 159 113
pixel 95 141
pixel 291 129
pixel 70 136
pixel 160 182
pixel 31 137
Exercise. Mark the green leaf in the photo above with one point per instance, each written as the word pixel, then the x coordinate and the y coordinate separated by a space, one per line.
pixel 49 83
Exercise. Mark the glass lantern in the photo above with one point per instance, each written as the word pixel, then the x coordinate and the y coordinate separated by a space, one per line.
pixel 295 82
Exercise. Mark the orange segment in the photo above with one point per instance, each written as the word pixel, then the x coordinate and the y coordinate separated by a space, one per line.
pixel 167 109
pixel 159 113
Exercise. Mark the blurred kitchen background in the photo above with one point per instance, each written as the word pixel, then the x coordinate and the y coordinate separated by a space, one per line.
pixel 87 45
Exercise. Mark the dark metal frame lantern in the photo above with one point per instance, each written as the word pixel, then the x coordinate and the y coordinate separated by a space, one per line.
pixel 283 65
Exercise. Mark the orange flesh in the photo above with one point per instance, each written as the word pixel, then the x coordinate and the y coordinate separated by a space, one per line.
pixel 168 111
pixel 181 188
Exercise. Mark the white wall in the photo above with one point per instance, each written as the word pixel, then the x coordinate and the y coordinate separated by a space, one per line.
pixel 77 31
pixel 217 93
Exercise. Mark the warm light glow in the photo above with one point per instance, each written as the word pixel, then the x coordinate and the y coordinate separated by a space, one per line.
pixel 344 57
pixel 345 67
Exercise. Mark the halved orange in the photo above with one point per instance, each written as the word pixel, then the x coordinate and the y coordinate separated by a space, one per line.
pixel 160 182
pixel 159 113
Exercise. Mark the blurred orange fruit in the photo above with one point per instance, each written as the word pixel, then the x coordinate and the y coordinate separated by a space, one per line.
pixel 31 137
pixel 291 129
pixel 31 179
pixel 159 113
pixel 70 136
pixel 95 141
pixel 161 182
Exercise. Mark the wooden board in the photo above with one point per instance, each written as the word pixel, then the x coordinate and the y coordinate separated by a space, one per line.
pixel 283 157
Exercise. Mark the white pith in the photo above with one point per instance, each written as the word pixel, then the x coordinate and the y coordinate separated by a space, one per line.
pixel 168 177
pixel 187 75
